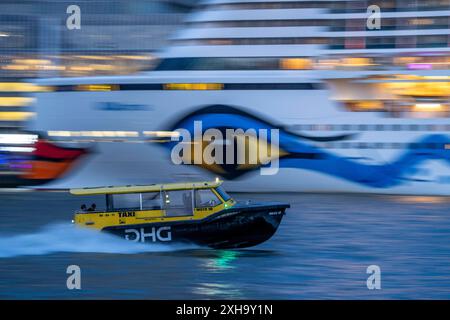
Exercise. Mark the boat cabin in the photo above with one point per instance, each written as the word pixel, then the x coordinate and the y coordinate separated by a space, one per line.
pixel 158 201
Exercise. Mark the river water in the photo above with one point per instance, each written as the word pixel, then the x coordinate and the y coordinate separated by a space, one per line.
pixel 321 251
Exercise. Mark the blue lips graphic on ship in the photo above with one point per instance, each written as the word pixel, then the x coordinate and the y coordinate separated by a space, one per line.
pixel 297 153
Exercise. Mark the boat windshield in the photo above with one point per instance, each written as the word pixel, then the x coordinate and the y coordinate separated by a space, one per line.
pixel 223 193
pixel 205 198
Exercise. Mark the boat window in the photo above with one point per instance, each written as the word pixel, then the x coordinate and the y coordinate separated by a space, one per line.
pixel 205 198
pixel 151 201
pixel 225 196
pixel 127 201
pixel 178 203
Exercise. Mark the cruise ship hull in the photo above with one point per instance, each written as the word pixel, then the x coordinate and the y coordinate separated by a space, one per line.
pixel 349 102
pixel 325 147
pixel 98 169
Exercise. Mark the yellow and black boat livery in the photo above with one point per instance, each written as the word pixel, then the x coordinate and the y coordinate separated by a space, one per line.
pixel 200 213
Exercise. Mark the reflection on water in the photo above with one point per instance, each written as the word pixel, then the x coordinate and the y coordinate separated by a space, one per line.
pixel 422 199
pixel 217 291
pixel 223 260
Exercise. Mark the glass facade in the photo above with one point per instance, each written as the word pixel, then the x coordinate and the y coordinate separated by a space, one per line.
pixel 117 37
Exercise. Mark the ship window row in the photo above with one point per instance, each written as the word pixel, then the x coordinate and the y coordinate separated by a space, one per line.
pixel 304 63
pixel 371 127
pixel 134 135
pixel 335 24
pixel 265 5
pixel 181 86
pixel 378 42
pixel 391 5
pixel 414 102
pixel 327 144
pixel 338 6
pixel 254 63
pixel 385 145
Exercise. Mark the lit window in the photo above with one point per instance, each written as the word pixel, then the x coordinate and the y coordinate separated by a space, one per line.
pixel 428 107
pixel 295 64
pixel 368 105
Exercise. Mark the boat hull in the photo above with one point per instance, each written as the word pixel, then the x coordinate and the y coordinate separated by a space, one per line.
pixel 238 227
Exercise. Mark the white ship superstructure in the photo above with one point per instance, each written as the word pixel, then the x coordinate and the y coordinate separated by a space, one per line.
pixel 359 109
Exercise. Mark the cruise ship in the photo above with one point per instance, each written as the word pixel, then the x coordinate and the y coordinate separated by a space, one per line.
pixel 359 91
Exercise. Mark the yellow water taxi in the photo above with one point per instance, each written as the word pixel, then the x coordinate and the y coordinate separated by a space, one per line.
pixel 200 213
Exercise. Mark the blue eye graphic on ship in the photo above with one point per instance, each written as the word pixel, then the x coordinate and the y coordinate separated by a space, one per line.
pixel 302 151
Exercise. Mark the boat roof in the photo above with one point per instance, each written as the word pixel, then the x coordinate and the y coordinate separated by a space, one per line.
pixel 144 188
